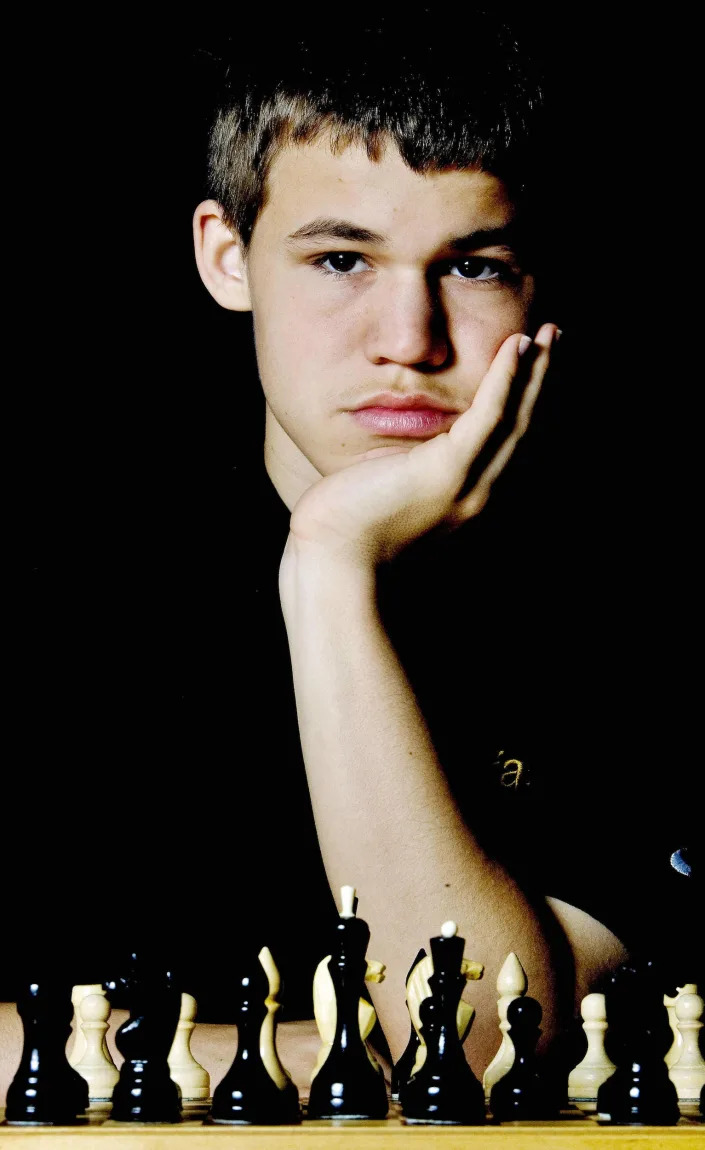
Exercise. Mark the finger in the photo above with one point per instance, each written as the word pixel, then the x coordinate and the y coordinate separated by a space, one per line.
pixel 478 492
pixel 464 454
pixel 486 412
pixel 501 423
pixel 472 503
pixel 466 438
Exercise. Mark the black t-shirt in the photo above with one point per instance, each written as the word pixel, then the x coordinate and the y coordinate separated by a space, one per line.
pixel 159 798
pixel 159 795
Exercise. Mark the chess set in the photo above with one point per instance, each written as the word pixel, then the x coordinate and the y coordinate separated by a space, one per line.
pixel 647 1091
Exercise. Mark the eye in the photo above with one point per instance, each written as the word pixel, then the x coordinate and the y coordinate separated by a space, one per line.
pixel 477 268
pixel 342 263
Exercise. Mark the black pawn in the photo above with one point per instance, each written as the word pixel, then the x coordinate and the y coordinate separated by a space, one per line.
pixel 520 1095
pixel 639 1093
pixel 45 1089
pixel 444 1090
pixel 401 1071
pixel 145 1091
pixel 247 1093
pixel 347 1084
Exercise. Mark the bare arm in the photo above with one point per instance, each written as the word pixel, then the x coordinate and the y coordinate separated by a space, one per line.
pixel 386 819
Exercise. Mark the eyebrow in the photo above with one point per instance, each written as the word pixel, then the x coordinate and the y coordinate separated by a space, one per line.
pixel 328 229
pixel 502 237
pixel 331 229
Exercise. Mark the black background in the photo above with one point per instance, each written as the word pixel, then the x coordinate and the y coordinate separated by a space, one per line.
pixel 132 397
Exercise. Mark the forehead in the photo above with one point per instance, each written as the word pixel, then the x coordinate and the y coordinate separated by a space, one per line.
pixel 310 181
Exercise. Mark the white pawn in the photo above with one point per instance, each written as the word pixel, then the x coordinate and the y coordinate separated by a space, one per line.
pixel 670 1003
pixel 511 983
pixel 596 1067
pixel 191 1078
pixel 95 1065
pixel 78 994
pixel 688 1073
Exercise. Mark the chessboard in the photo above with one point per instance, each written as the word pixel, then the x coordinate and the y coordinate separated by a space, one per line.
pixel 574 1130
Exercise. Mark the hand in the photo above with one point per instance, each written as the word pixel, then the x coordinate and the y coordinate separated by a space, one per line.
pixel 368 512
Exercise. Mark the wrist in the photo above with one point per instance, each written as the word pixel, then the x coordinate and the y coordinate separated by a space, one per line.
pixel 309 569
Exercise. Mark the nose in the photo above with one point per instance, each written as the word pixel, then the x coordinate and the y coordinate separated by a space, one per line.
pixel 406 325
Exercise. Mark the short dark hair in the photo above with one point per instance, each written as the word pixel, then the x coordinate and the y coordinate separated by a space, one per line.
pixel 467 96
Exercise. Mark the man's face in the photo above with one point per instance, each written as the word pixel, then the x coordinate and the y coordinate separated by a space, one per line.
pixel 373 286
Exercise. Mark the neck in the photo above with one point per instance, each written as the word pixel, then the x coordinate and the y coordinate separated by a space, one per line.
pixel 287 467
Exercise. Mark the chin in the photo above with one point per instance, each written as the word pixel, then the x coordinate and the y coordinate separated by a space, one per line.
pixel 339 463
pixel 376 452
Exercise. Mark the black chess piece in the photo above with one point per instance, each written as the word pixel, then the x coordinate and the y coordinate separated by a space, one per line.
pixel 250 1093
pixel 348 1085
pixel 46 1090
pixel 444 1090
pixel 521 1094
pixel 638 1038
pixel 401 1071
pixel 145 1091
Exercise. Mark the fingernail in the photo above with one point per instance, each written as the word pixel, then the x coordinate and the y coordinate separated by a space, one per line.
pixel 524 343
pixel 558 334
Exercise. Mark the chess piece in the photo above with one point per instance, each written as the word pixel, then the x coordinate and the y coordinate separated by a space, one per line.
pixel 688 1073
pixel 78 993
pixel 640 1091
pixel 418 990
pixel 511 983
pixel 99 1070
pixel 257 1090
pixel 145 1091
pixel 669 1002
pixel 347 1081
pixel 189 1075
pixel 443 1090
pixel 596 1067
pixel 403 1068
pixel 520 1094
pixel 324 995
pixel 46 1090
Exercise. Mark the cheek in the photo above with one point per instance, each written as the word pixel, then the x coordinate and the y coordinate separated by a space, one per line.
pixel 478 332
pixel 294 358
pixel 282 339
pixel 297 340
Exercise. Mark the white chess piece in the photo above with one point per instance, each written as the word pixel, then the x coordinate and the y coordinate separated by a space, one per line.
pixel 596 1067
pixel 674 1052
pixel 191 1078
pixel 97 1067
pixel 347 901
pixel 511 983
pixel 78 993
pixel 688 1073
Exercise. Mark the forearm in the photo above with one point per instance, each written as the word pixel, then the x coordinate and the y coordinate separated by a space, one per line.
pixel 386 819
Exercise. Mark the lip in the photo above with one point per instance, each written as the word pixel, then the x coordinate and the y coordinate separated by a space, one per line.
pixel 404 416
pixel 417 402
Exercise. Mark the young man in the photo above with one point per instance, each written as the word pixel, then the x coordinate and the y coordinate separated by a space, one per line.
pixel 157 771
pixel 376 220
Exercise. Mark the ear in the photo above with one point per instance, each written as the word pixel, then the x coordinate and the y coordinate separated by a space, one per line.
pixel 220 257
